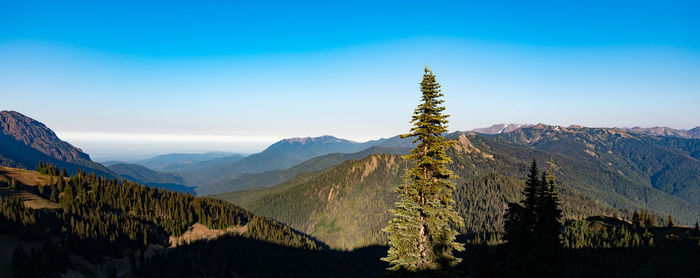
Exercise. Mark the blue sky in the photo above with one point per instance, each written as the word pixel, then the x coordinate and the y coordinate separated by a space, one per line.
pixel 132 78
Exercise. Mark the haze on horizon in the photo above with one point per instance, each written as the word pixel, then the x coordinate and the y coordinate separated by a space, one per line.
pixel 132 78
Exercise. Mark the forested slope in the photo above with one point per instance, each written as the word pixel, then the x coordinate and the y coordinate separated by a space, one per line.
pixel 98 216
pixel 347 205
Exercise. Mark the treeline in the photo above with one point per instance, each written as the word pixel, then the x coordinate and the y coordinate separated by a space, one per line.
pixel 106 216
pixel 50 169
pixel 596 233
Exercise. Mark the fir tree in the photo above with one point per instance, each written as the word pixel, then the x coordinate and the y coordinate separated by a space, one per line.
pixel 669 223
pixel 532 191
pixel 422 234
pixel 532 229
pixel 636 219
pixel 548 227
pixel 549 213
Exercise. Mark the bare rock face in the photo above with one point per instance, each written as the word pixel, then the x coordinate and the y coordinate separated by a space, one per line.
pixel 36 135
pixel 24 142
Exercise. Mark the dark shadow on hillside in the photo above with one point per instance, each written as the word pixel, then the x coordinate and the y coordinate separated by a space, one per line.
pixel 232 256
pixel 634 262
pixel 662 261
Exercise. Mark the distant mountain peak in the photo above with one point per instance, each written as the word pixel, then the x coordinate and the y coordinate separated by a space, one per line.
pixel 667 131
pixel 500 128
pixel 320 139
pixel 36 135
pixel 25 141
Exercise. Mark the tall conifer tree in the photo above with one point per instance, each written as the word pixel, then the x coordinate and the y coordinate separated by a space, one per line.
pixel 422 234
pixel 532 229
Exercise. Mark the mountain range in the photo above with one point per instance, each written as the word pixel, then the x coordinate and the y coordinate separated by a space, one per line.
pixel 279 156
pixel 623 169
pixel 182 161
pixel 670 132
pixel 600 170
pixel 330 192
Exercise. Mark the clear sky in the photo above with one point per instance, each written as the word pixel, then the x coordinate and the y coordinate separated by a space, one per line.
pixel 123 77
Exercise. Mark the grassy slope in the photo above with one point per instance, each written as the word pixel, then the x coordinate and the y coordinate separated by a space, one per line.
pixel 28 195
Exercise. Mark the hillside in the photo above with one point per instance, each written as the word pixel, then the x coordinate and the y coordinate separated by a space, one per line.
pixel 347 206
pixel 668 132
pixel 669 165
pixel 24 142
pixel 183 161
pixel 281 155
pixel 617 248
pixel 149 177
pixel 331 203
pixel 252 182
pixel 97 221
pixel 144 175
pixel 30 196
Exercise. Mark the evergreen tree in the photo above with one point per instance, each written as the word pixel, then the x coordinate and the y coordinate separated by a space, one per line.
pixel 532 229
pixel 421 233
pixel 549 214
pixel 548 227
pixel 532 191
pixel 636 219
pixel 520 221
pixel 670 221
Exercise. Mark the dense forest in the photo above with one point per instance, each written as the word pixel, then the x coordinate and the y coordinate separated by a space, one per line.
pixel 596 246
pixel 330 204
pixel 99 216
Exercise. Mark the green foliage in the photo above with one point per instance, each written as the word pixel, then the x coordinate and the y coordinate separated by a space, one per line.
pixel 345 206
pixel 644 219
pixel 601 233
pixel 421 234
pixel 625 170
pixel 258 185
pixel 608 247
pixel 360 203
pixel 48 169
pixel 100 216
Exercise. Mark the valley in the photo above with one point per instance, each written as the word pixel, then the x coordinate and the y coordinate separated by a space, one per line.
pixel 326 200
